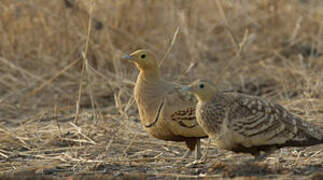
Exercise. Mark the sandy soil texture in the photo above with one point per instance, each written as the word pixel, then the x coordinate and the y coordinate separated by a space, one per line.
pixel 66 97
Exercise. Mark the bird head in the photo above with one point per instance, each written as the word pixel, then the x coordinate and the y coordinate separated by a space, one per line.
pixel 144 59
pixel 202 89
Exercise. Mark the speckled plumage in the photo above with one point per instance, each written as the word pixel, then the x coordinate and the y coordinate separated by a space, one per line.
pixel 245 123
pixel 166 111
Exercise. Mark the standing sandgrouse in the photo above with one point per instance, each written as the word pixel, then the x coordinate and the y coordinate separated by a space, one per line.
pixel 243 123
pixel 166 111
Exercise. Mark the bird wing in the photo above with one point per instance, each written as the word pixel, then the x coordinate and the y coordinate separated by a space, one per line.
pixel 181 109
pixel 257 122
pixel 182 106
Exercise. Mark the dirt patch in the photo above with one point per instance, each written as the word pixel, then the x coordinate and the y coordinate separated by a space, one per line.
pixel 66 97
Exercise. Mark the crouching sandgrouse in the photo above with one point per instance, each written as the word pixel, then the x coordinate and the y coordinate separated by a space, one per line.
pixel 245 123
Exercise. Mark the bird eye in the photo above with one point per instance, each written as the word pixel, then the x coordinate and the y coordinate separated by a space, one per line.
pixel 143 56
pixel 201 86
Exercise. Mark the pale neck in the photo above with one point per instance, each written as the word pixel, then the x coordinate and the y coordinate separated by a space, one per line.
pixel 208 96
pixel 150 75
pixel 204 97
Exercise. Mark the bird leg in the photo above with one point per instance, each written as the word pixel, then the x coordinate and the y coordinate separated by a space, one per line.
pixel 199 159
pixel 197 155
pixel 204 157
pixel 186 154
pixel 190 144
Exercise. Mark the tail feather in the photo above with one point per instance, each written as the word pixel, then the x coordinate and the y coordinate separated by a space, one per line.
pixel 303 142
pixel 307 134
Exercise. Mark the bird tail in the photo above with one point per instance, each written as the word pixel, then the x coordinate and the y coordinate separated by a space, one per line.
pixel 307 133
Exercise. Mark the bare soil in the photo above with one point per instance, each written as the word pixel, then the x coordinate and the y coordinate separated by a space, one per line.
pixel 66 97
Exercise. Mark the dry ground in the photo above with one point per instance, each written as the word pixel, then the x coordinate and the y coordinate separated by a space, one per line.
pixel 66 103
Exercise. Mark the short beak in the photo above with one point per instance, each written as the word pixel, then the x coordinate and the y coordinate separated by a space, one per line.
pixel 187 88
pixel 127 57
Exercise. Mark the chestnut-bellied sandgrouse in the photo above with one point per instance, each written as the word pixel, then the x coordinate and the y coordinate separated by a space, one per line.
pixel 166 111
pixel 244 123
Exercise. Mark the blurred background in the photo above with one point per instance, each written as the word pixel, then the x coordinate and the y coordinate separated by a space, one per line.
pixel 62 79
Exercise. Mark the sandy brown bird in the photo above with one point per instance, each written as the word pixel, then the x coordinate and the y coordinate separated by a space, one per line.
pixel 166 111
pixel 245 123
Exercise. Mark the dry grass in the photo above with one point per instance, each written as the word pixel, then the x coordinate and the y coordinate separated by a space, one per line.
pixel 66 104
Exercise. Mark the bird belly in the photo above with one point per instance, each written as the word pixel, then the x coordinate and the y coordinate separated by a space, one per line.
pixel 179 129
pixel 224 138
pixel 161 130
pixel 169 130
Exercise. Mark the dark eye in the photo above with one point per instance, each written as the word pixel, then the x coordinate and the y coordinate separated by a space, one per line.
pixel 143 56
pixel 201 86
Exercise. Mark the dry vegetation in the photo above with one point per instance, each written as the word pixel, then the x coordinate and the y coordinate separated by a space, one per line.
pixel 66 103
